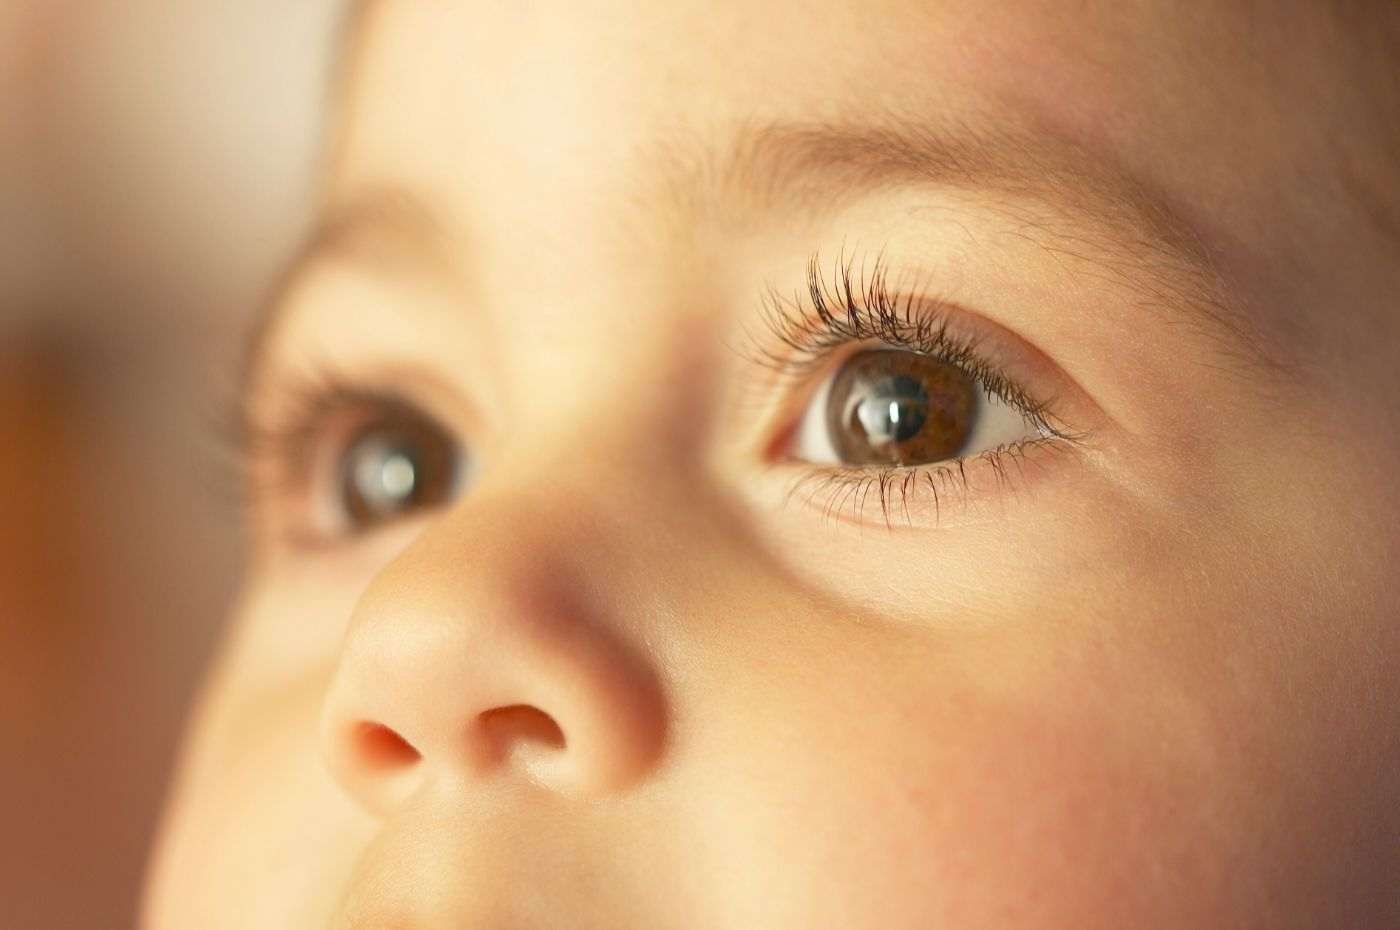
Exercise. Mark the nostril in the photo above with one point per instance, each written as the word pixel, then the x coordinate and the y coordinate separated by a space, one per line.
pixel 521 722
pixel 382 748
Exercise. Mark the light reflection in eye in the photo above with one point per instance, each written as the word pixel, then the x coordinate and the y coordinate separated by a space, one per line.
pixel 394 467
pixel 902 408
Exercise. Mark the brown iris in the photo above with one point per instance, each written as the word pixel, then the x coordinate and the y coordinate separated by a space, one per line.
pixel 891 407
pixel 393 468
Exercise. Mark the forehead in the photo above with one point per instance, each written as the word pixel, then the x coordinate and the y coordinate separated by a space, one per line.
pixel 492 109
pixel 561 84
pixel 523 121
pixel 577 100
pixel 1097 69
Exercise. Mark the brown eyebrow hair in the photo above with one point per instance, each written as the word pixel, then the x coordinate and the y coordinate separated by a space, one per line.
pixel 1131 233
pixel 1114 223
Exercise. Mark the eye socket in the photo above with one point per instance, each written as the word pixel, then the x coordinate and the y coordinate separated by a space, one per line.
pixel 392 466
pixel 894 407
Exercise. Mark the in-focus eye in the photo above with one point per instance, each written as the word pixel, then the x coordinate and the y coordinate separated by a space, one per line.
pixel 394 466
pixel 893 407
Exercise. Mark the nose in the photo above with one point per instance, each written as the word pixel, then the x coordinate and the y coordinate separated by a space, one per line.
pixel 489 649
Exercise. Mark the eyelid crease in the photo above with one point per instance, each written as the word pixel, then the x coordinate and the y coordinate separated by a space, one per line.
pixel 386 225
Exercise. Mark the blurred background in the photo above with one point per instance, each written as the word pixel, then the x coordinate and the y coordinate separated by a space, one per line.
pixel 156 165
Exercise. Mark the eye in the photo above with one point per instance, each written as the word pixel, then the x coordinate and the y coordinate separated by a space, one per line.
pixel 398 463
pixel 894 407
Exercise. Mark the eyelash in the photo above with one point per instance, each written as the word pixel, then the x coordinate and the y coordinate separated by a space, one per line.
pixel 276 454
pixel 858 306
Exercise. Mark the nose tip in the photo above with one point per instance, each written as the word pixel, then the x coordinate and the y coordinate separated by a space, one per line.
pixel 509 680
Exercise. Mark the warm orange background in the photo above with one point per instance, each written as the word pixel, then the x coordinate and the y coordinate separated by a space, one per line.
pixel 155 165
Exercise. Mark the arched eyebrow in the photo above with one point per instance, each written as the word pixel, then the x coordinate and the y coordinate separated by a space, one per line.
pixel 1099 212
pixel 1104 216
pixel 810 165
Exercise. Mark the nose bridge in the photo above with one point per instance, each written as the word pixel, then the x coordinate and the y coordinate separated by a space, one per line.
pixel 485 650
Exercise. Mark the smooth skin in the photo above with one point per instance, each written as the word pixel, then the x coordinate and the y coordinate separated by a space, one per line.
pixel 629 678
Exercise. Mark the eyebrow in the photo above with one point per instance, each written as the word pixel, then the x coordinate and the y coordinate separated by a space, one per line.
pixel 1133 233
pixel 1103 215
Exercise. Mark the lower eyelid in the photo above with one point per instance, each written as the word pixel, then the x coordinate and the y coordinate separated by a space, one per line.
pixel 924 496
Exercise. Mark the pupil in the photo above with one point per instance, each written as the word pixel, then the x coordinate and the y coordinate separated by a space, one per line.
pixel 894 411
pixel 893 407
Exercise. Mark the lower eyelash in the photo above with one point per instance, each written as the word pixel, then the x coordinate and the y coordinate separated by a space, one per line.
pixel 847 491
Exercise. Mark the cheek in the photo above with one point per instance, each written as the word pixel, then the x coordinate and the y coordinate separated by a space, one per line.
pixel 256 834
pixel 935 795
pixel 1041 817
pixel 258 842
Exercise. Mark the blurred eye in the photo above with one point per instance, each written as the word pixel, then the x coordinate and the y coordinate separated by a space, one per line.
pixel 901 408
pixel 393 467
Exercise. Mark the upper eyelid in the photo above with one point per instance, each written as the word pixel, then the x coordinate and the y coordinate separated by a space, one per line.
pixel 285 449
pixel 282 439
pixel 853 300
pixel 383 228
pixel 1066 197
pixel 1099 211
pixel 866 284
pixel 289 400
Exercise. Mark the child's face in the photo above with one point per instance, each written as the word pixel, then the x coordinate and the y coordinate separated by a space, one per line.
pixel 605 576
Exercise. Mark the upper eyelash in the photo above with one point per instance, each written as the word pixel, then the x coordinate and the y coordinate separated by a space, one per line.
pixel 303 405
pixel 276 451
pixel 857 305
